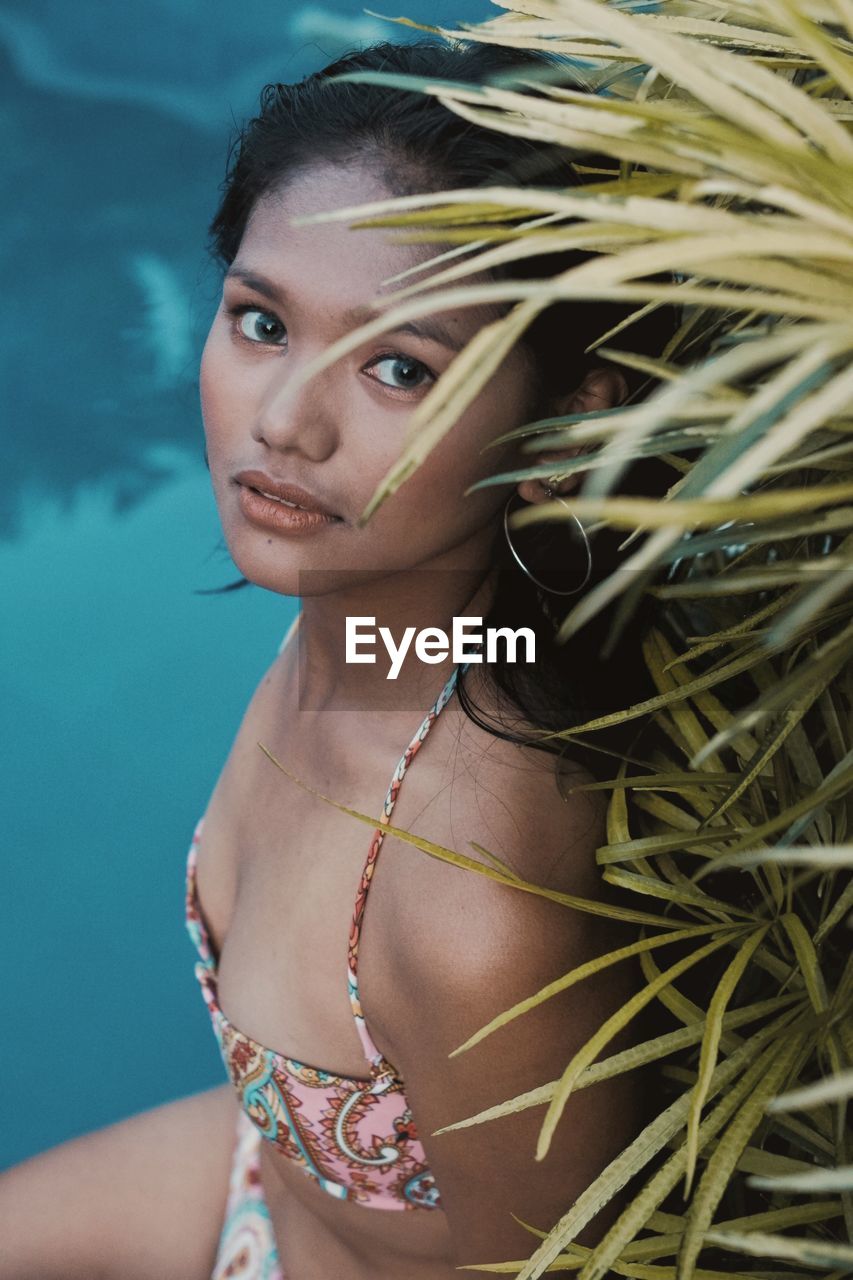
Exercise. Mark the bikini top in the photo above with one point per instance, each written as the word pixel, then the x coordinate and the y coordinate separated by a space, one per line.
pixel 354 1136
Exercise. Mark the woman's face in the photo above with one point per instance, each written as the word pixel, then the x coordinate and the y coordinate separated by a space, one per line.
pixel 286 297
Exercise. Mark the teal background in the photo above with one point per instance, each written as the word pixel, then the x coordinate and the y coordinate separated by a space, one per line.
pixel 121 689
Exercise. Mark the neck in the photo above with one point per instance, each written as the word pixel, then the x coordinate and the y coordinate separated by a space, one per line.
pixel 405 604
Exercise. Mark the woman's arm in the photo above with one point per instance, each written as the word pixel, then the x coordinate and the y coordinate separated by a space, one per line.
pixel 140 1199
pixel 468 949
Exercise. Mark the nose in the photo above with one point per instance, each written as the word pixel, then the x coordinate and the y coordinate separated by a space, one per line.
pixel 305 418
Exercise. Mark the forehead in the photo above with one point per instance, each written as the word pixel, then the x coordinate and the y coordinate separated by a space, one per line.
pixel 330 265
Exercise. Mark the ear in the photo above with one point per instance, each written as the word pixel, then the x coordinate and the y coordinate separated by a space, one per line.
pixel 602 388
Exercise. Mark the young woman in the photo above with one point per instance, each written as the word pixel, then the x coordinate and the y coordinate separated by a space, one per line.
pixel 322 1156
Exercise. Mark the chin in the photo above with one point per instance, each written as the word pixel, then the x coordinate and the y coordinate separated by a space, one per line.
pixel 288 570
pixel 264 563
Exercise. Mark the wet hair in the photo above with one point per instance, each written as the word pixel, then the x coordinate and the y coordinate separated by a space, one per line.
pixel 416 144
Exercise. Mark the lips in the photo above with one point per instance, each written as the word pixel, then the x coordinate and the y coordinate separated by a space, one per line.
pixel 287 494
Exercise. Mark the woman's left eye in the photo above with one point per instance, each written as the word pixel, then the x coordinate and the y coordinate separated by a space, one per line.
pixel 407 374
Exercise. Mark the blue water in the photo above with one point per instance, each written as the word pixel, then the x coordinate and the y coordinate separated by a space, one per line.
pixel 121 689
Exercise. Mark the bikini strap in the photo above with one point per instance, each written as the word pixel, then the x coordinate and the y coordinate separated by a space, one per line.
pixel 290 630
pixel 379 1065
pixel 380 1068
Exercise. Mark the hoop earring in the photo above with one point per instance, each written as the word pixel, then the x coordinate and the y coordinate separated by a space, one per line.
pixel 543 585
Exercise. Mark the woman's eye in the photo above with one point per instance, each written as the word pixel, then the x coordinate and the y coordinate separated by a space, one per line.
pixel 405 373
pixel 259 326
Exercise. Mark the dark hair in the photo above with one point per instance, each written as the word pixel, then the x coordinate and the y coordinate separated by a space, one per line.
pixel 419 145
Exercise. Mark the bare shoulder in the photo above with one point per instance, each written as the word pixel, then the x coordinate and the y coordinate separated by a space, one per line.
pixel 499 802
pixel 528 806
pixel 143 1197
pixel 530 802
pixel 466 950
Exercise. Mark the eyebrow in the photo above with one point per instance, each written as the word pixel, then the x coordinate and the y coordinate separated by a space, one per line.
pixel 429 327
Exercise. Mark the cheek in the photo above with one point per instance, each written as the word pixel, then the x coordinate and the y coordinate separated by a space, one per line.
pixel 434 499
pixel 466 455
pixel 218 386
pixel 207 383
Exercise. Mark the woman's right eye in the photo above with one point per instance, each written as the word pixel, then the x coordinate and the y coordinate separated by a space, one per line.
pixel 258 326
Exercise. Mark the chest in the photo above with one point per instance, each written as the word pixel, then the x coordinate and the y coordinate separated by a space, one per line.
pixel 279 874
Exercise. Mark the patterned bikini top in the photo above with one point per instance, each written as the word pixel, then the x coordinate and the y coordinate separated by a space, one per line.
pixel 354 1136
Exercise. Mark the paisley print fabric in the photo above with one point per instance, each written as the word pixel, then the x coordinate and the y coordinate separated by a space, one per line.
pixel 374 1057
pixel 356 1137
pixel 247 1247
